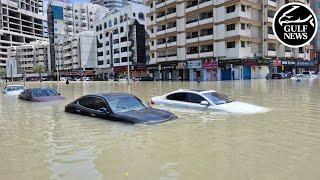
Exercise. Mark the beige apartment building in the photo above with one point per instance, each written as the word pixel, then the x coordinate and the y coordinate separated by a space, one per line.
pixel 21 22
pixel 217 40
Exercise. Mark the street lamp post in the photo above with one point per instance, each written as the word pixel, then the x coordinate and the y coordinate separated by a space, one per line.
pixel 128 66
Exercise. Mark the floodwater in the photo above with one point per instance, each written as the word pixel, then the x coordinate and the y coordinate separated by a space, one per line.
pixel 41 141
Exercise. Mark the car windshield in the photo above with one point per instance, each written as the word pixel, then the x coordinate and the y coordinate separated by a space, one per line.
pixel 217 98
pixel 44 92
pixel 15 88
pixel 125 103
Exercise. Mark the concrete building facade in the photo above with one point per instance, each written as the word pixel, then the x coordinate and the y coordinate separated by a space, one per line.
pixel 29 56
pixel 217 40
pixel 77 55
pixel 21 22
pixel 122 36
pixel 113 4
pixel 67 20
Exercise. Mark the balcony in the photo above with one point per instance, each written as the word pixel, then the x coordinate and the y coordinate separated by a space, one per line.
pixel 161 45
pixel 160 4
pixel 172 58
pixel 170 1
pixel 152 35
pixel 301 55
pixel 206 37
pixel 125 44
pixel 169 44
pixel 100 58
pixel 206 21
pixel 153 48
pixel 160 18
pixel 193 24
pixel 161 32
pixel 168 16
pixel 191 8
pixel 288 54
pixel 161 59
pixel 204 4
pixel 192 56
pixel 272 53
pixel 192 40
pixel 271 36
pixel 172 29
pixel 270 19
pixel 206 54
pixel 272 3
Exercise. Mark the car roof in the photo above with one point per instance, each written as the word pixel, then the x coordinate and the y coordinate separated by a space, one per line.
pixel 34 89
pixel 192 91
pixel 107 95
pixel 12 85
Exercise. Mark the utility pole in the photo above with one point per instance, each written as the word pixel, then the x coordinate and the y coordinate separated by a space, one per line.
pixel 128 66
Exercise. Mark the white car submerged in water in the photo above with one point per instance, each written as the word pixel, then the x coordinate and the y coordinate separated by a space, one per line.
pixel 13 89
pixel 205 100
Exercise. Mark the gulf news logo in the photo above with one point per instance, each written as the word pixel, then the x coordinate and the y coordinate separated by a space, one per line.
pixel 295 25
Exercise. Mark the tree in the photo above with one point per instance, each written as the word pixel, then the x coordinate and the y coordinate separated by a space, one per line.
pixel 38 68
pixel 3 73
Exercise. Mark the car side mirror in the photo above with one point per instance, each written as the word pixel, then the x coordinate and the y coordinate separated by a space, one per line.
pixel 204 103
pixel 103 110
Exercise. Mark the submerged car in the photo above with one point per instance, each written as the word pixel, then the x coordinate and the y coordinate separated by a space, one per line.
pixel 118 107
pixel 205 100
pixel 13 89
pixel 40 95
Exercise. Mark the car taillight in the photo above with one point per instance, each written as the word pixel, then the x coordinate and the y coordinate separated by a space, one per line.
pixel 151 102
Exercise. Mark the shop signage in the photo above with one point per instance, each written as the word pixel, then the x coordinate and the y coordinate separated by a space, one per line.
pixel 195 64
pixel 210 65
pixel 168 66
pixel 120 69
pixel 263 61
pixel 139 67
pixel 305 63
pixel 250 63
pixel 288 62
pixel 152 67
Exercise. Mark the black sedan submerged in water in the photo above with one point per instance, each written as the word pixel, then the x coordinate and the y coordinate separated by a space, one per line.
pixel 40 95
pixel 118 107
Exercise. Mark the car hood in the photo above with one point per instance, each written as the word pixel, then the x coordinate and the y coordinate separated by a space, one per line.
pixel 241 108
pixel 48 98
pixel 149 115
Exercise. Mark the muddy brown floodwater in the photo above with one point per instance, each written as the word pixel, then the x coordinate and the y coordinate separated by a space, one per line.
pixel 41 141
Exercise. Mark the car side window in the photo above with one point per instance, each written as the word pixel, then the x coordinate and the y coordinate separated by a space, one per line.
pixel 87 102
pixel 195 98
pixel 99 103
pixel 178 97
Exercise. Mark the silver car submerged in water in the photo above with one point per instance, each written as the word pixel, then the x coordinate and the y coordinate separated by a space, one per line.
pixel 206 100
pixel 13 89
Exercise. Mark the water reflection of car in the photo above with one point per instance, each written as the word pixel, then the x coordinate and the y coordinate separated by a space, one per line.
pixel 13 89
pixel 40 95
pixel 278 75
pixel 310 74
pixel 205 100
pixel 118 107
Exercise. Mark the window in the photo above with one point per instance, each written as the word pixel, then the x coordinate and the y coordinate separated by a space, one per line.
pixel 121 19
pixel 124 49
pixel 115 21
pixel 243 44
pixel 231 44
pixel 99 103
pixel 270 30
pixel 243 26
pixel 123 39
pixel 272 47
pixel 217 98
pixel 243 8
pixel 110 23
pixel 134 14
pixel 121 29
pixel 301 50
pixel 178 97
pixel 194 98
pixel 231 27
pixel 151 17
pixel 231 9
pixel 125 103
pixel 87 102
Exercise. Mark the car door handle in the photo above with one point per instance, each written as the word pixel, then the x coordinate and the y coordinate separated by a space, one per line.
pixel 93 115
pixel 77 110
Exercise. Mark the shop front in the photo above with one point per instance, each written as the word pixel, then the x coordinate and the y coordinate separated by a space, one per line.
pixel 139 70
pixel 210 70
pixel 276 66
pixel 153 72
pixel 195 68
pixel 169 71
pixel 183 71
pixel 230 69
pixel 120 71
pixel 302 66
pixel 288 65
